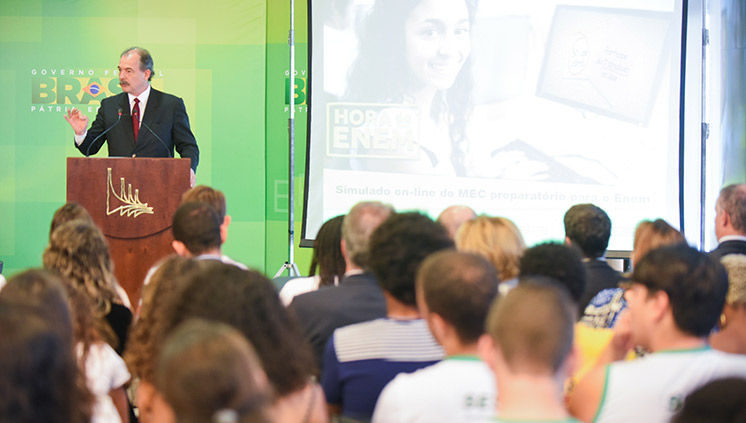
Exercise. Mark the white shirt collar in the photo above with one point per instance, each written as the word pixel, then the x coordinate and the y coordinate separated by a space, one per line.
pixel 732 238
pixel 143 97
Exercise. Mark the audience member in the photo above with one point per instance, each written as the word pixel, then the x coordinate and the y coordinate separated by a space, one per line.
pixel 78 250
pixel 453 217
pixel 588 228
pixel 70 310
pixel 499 241
pixel 327 258
pixel 530 349
pixel 216 199
pixel 358 298
pixel 454 293
pixel 675 299
pixel 69 211
pixel 732 334
pixel 197 233
pixel 74 211
pixel 606 307
pixel 360 359
pixel 719 401
pixel 208 372
pixel 170 275
pixel 41 381
pixel 247 300
pixel 730 221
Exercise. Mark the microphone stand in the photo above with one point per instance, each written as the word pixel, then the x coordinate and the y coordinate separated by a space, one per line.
pixel 290 265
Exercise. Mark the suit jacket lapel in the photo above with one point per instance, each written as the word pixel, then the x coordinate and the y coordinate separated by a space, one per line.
pixel 151 111
pixel 124 104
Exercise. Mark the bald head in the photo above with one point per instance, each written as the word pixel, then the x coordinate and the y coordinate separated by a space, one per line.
pixel 454 216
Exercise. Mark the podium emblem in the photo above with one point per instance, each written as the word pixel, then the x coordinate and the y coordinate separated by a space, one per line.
pixel 131 205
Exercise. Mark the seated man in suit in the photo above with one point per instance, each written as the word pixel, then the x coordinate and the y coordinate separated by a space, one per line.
pixel 588 228
pixel 153 122
pixel 730 221
pixel 358 298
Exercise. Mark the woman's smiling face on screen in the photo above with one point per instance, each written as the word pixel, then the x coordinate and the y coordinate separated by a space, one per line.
pixel 437 42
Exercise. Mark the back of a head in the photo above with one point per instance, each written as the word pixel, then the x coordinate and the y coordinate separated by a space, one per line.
pixel 735 265
pixel 79 251
pixel 327 252
pixel 453 217
pixel 459 287
pixel 204 194
pixel 69 211
pixel 495 238
pixel 533 326
pixel 207 370
pixel 46 290
pixel 695 282
pixel 40 378
pixel 359 224
pixel 197 226
pixel 651 234
pixel 589 229
pixel 732 200
pixel 398 247
pixel 719 401
pixel 247 301
pixel 166 282
pixel 559 262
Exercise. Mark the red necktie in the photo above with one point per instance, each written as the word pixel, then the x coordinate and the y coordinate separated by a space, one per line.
pixel 136 118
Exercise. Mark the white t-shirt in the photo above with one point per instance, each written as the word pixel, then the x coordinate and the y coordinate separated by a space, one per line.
pixel 105 370
pixel 653 388
pixel 457 389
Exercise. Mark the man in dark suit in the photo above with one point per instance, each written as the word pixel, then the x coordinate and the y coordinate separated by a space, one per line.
pixel 141 121
pixel 730 221
pixel 358 298
pixel 588 228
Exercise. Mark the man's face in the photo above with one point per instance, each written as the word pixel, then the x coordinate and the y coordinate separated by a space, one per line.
pixel 719 221
pixel 132 79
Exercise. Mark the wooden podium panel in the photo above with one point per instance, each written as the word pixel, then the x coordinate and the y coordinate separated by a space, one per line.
pixel 133 201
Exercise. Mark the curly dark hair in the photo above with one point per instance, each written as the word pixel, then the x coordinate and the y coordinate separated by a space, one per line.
pixel 559 262
pixel 398 247
pixel 165 283
pixel 41 379
pixel 246 300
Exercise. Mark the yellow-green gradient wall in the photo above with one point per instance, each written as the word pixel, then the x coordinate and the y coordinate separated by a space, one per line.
pixel 225 58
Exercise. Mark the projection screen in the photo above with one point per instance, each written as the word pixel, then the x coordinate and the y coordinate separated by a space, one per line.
pixel 518 109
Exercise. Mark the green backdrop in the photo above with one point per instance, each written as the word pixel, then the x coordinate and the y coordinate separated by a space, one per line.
pixel 227 59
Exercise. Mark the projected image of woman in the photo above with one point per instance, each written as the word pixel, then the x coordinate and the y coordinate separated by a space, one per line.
pixel 416 53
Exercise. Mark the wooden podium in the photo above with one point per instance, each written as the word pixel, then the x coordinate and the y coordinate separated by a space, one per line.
pixel 133 201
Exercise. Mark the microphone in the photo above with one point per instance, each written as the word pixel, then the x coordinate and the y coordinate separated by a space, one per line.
pixel 88 150
pixel 168 151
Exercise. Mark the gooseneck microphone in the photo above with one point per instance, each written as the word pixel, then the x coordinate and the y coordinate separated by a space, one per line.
pixel 168 151
pixel 88 150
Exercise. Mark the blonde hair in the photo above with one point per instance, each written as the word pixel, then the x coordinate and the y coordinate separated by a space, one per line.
pixel 495 238
pixel 652 234
pixel 735 264
pixel 78 250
